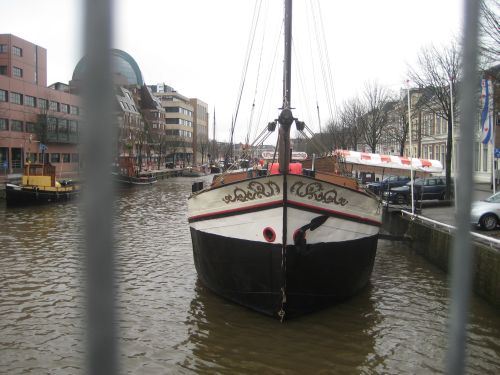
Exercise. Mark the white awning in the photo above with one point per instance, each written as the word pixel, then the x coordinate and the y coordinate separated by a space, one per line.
pixel 390 161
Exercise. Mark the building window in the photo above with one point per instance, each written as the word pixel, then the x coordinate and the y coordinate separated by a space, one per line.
pixel 73 127
pixel 16 126
pixel 4 124
pixel 17 72
pixel 46 157
pixel 66 158
pixel 55 158
pixel 3 96
pixel 64 108
pixel 3 70
pixel 17 51
pixel 54 106
pixel 51 124
pixel 3 48
pixel 16 98
pixel 29 101
pixel 73 110
pixel 63 125
pixel 42 103
pixel 30 127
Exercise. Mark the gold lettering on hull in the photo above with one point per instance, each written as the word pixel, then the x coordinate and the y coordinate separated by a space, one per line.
pixel 254 190
pixel 315 191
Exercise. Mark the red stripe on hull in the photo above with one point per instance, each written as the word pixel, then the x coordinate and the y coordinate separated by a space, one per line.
pixel 255 207
pixel 240 210
pixel 336 213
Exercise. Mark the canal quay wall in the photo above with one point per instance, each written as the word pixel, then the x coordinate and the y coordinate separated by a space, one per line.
pixel 433 239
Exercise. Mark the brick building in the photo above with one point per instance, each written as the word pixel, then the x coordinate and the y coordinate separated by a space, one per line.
pixel 31 113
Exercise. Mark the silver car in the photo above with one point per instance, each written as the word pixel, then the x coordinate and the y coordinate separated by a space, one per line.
pixel 486 213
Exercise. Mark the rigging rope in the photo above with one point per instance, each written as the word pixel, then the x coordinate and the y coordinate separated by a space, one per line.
pixel 313 65
pixel 301 81
pixel 271 70
pixel 324 59
pixel 251 38
pixel 247 138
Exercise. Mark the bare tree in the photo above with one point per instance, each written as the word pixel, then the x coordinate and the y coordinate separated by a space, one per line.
pixel 350 117
pixel 374 120
pixel 437 70
pixel 160 143
pixel 489 29
pixel 203 145
pixel 398 125
pixel 344 131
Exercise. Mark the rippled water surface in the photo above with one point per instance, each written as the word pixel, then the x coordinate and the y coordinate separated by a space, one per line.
pixel 170 324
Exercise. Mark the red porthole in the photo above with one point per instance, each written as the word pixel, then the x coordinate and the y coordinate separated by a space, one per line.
pixel 269 234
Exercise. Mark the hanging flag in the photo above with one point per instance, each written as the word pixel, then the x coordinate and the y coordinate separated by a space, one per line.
pixel 486 118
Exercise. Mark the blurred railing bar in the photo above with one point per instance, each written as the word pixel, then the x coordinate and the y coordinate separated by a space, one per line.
pixel 462 259
pixel 98 197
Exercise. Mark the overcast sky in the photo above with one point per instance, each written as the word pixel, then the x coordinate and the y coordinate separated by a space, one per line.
pixel 199 46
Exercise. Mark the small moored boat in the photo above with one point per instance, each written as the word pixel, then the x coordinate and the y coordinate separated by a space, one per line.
pixel 39 185
pixel 127 174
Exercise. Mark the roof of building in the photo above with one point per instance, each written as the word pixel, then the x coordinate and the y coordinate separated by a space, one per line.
pixel 125 69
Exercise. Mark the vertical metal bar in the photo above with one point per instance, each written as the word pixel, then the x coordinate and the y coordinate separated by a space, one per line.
pixel 98 195
pixel 461 270
pixel 492 140
pixel 411 151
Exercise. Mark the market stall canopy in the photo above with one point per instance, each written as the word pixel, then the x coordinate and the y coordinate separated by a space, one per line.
pixel 388 164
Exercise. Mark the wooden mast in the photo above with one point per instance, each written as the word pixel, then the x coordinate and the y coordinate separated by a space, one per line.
pixel 285 118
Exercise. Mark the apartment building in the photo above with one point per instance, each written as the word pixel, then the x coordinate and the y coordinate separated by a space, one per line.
pixel 179 123
pixel 36 122
pixel 200 131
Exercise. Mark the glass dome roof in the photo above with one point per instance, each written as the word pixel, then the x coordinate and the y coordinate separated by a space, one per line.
pixel 123 65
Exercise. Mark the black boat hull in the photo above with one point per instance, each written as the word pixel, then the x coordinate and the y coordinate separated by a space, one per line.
pixel 20 196
pixel 251 273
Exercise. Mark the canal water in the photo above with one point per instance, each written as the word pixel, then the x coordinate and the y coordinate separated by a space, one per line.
pixel 168 323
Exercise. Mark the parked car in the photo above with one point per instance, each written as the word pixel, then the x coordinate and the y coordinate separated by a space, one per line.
pixel 388 183
pixel 423 189
pixel 486 213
